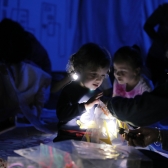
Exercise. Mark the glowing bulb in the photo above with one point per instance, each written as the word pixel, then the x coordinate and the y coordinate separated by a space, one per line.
pixel 104 130
pixel 75 76
pixel 112 126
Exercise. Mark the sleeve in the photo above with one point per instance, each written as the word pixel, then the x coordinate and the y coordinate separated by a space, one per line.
pixel 147 85
pixel 66 110
pixel 154 19
pixel 30 80
pixel 164 135
pixel 142 110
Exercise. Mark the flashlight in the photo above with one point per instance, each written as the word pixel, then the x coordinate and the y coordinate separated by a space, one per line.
pixel 74 76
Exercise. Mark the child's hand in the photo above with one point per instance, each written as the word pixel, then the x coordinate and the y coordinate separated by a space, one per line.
pixel 92 101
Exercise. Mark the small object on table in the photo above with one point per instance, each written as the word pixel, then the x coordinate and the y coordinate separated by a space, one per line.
pixel 122 131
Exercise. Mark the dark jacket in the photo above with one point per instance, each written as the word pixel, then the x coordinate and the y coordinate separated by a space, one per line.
pixel 143 110
pixel 70 105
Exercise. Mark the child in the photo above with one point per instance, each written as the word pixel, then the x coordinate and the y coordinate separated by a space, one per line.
pixel 106 85
pixel 23 84
pixel 129 80
pixel 77 100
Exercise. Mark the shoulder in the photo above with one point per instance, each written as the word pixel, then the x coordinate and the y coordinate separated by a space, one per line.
pixel 115 81
pixel 72 87
pixel 33 70
pixel 146 82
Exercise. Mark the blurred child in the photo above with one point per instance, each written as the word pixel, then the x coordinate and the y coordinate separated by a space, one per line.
pixel 129 81
pixel 77 100
pixel 23 84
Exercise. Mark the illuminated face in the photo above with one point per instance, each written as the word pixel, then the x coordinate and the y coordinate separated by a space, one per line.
pixel 91 77
pixel 124 73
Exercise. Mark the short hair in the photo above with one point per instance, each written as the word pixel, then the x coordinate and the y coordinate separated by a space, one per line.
pixel 130 55
pixel 89 53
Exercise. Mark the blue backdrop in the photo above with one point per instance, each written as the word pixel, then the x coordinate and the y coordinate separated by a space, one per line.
pixel 62 26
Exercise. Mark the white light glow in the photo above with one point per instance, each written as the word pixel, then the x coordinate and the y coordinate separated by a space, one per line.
pixel 112 127
pixel 104 131
pixel 75 76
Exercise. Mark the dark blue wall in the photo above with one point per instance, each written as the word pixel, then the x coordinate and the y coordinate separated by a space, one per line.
pixel 62 26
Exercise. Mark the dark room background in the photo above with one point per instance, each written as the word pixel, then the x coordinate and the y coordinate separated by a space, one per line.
pixel 62 26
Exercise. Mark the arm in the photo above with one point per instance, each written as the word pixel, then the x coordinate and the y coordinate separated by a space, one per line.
pixel 66 110
pixel 41 96
pixel 152 21
pixel 142 110
pixel 146 136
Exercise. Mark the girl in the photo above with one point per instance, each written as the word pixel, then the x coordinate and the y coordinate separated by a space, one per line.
pixel 129 80
pixel 77 100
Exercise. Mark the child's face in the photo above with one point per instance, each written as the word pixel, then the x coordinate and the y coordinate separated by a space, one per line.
pixel 91 77
pixel 124 73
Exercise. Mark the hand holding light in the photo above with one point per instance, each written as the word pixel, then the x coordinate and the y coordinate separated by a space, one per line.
pixel 92 101
pixel 144 136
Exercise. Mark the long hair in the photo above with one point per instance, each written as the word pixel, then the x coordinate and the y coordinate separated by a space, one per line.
pixel 130 55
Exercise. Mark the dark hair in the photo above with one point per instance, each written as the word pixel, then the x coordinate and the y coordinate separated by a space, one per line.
pixel 130 55
pixel 14 45
pixel 89 53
